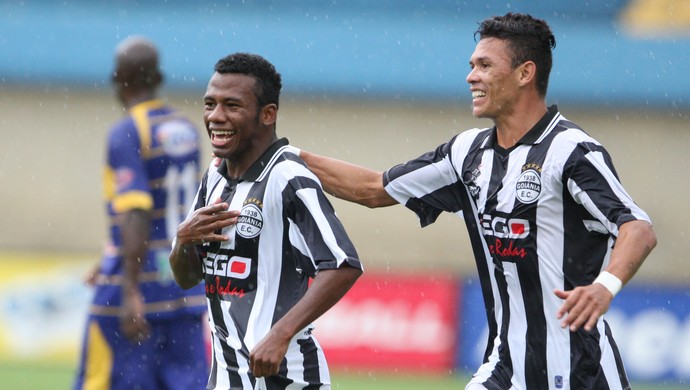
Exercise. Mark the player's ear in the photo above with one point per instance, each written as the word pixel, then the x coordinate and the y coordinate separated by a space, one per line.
pixel 269 114
pixel 527 73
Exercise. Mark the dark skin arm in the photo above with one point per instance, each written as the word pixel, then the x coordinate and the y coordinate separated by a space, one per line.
pixel 583 305
pixel 199 228
pixel 348 181
pixel 135 234
pixel 327 288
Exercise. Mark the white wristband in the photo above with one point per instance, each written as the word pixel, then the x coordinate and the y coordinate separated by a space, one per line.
pixel 610 281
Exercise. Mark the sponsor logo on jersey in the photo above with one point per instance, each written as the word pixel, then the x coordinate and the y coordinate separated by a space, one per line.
pixel 177 137
pixel 250 221
pixel 124 177
pixel 501 227
pixel 503 235
pixel 235 267
pixel 528 185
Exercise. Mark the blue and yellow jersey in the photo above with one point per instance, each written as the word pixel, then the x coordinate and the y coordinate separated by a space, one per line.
pixel 152 164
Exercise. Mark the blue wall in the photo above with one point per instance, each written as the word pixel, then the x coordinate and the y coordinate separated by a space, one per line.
pixel 381 49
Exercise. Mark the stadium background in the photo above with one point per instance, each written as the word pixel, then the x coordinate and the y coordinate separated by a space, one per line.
pixel 371 82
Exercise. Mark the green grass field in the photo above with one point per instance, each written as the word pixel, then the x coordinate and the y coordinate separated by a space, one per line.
pixel 46 376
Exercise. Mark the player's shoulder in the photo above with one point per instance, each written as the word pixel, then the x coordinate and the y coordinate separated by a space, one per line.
pixel 123 132
pixel 462 142
pixel 288 170
pixel 568 132
pixel 287 163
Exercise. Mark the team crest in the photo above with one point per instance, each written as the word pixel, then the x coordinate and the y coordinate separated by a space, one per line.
pixel 528 185
pixel 250 221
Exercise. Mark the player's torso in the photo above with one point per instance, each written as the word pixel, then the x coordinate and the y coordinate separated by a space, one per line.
pixel 254 272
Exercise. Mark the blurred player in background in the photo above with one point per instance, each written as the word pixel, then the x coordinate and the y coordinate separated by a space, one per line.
pixel 260 230
pixel 543 206
pixel 143 331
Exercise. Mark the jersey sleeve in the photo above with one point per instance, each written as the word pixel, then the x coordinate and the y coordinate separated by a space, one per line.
pixel 125 168
pixel 427 185
pixel 592 181
pixel 316 234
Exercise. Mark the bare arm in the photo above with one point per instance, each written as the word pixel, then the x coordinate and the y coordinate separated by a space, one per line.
pixel 135 235
pixel 199 228
pixel 584 305
pixel 325 291
pixel 349 181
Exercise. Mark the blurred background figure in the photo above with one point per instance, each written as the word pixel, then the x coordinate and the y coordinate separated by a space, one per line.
pixel 143 331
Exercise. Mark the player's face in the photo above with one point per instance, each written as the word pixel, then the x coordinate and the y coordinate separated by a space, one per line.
pixel 493 81
pixel 231 116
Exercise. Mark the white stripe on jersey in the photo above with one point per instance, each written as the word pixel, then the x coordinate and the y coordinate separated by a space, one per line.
pixel 308 196
pixel 269 263
pixel 418 188
pixel 549 242
pixel 506 196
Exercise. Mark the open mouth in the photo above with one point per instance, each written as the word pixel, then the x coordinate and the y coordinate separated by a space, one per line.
pixel 221 137
pixel 478 94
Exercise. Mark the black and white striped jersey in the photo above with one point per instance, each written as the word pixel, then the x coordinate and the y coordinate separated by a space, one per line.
pixel 541 215
pixel 287 231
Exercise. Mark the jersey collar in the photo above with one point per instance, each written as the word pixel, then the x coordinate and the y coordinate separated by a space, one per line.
pixel 533 135
pixel 254 171
pixel 147 105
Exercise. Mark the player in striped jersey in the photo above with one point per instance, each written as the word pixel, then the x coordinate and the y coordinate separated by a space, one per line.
pixel 260 229
pixel 554 233
pixel 144 331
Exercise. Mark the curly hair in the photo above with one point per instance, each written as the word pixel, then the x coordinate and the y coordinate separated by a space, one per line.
pixel 529 38
pixel 268 81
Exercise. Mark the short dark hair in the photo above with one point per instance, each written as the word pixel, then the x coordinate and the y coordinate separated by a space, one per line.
pixel 530 39
pixel 268 81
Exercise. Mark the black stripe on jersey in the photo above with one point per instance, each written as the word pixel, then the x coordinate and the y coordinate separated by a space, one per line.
pixel 503 372
pixel 591 180
pixel 577 271
pixel 585 371
pixel 280 381
pixel 581 263
pixel 201 194
pixel 311 363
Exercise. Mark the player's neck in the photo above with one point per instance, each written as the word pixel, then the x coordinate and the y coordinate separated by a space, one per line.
pixel 511 128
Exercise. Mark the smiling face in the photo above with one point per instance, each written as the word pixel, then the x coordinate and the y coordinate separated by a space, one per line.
pixel 239 130
pixel 493 81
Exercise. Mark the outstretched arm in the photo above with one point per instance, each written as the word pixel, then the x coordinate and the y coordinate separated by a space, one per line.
pixel 348 181
pixel 325 291
pixel 584 305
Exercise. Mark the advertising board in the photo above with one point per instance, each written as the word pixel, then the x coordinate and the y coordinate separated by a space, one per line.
pixel 651 325
pixel 393 322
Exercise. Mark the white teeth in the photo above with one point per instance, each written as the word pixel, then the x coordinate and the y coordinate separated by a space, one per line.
pixel 478 94
pixel 223 132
